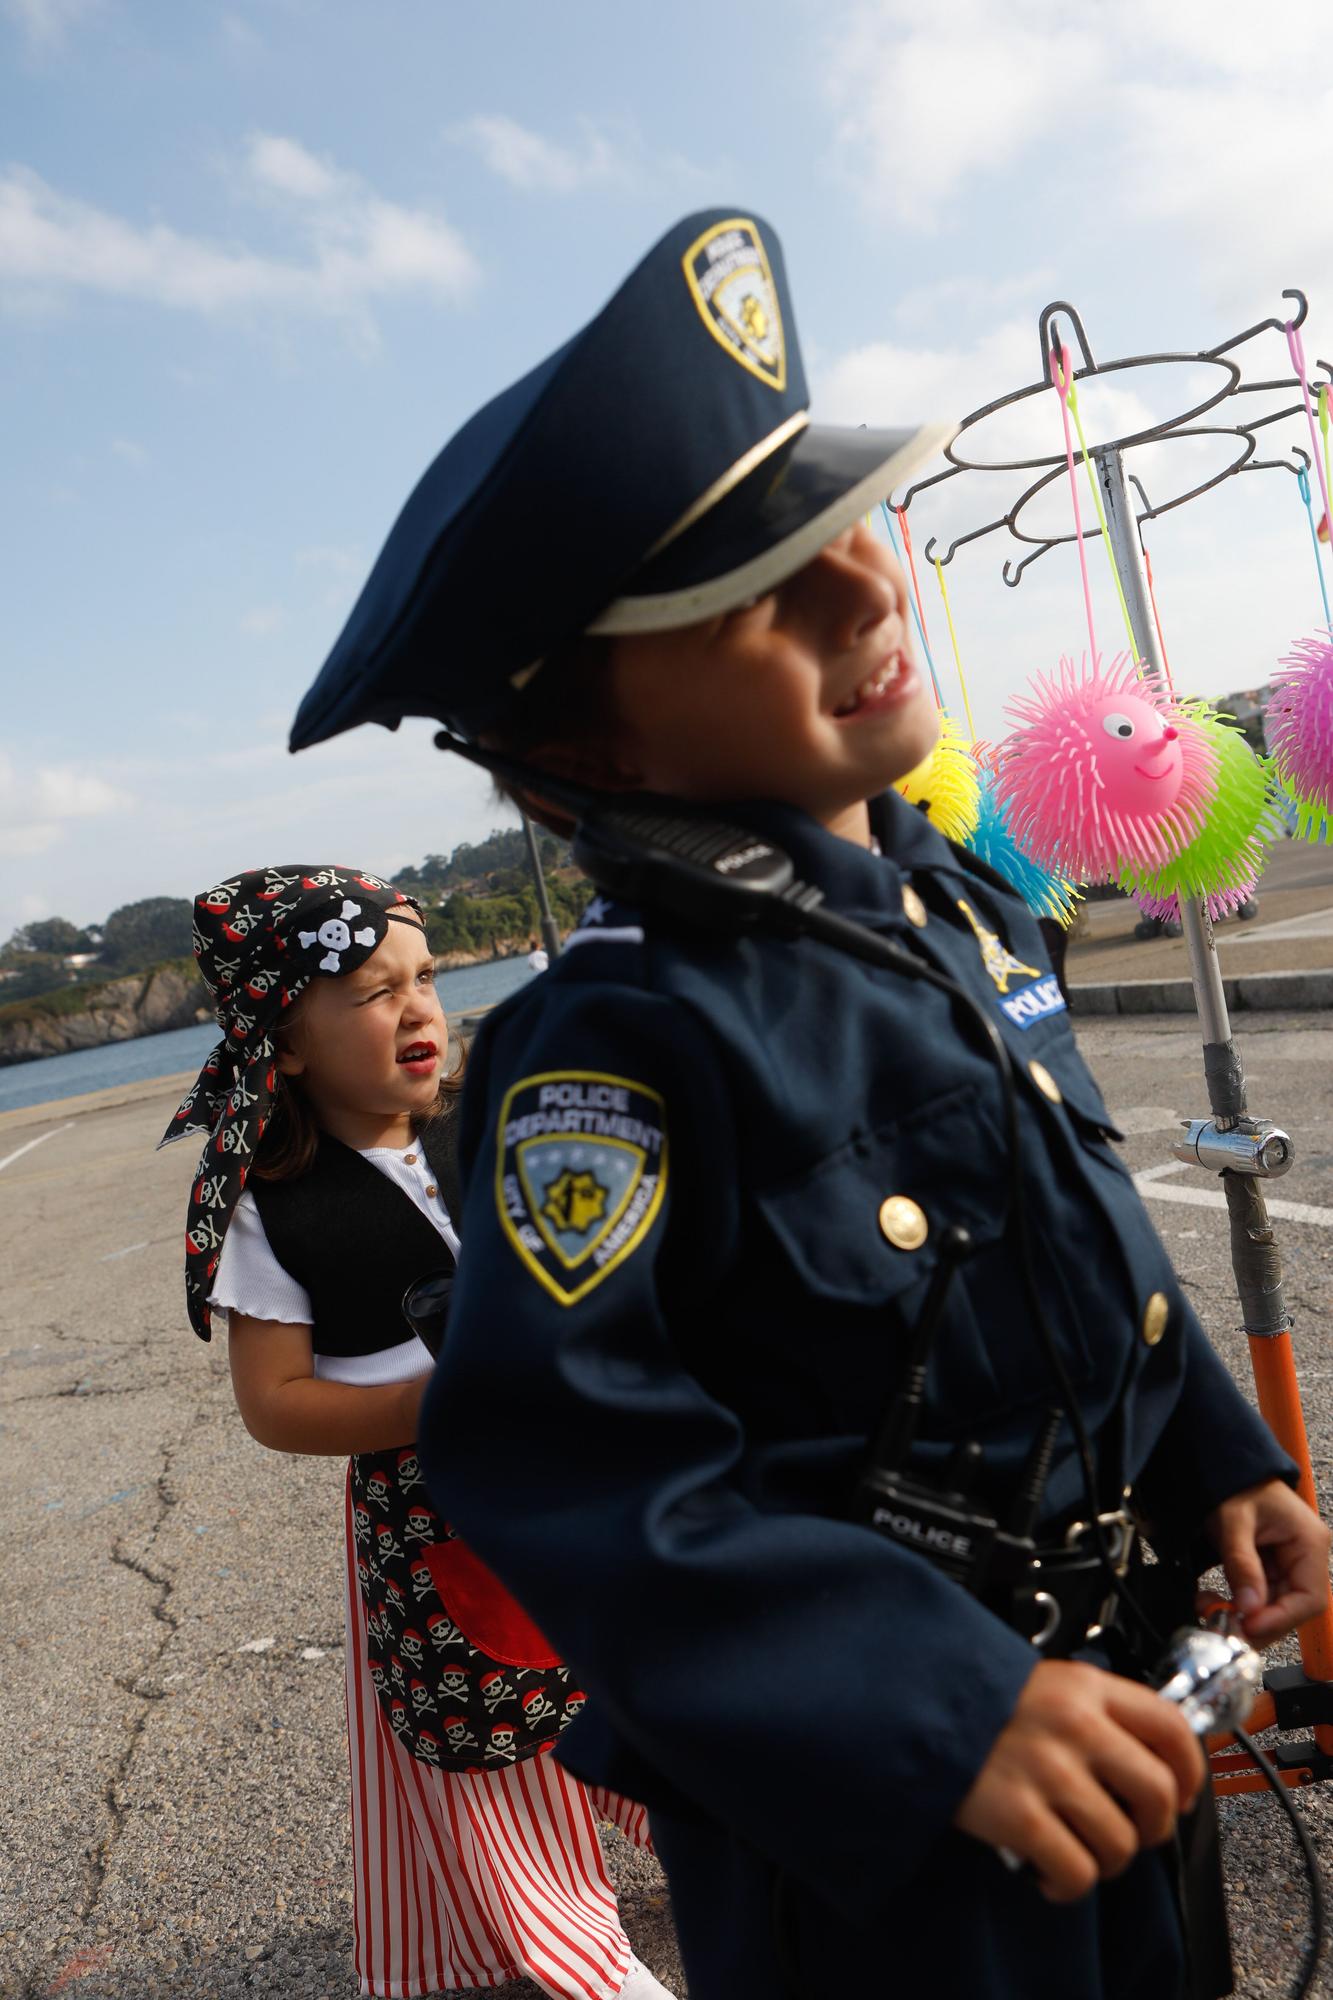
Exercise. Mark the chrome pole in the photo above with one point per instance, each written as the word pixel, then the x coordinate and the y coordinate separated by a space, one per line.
pixel 550 929
pixel 1255 1258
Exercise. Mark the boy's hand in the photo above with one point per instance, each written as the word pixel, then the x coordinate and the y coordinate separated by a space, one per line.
pixel 1274 1550
pixel 1088 1769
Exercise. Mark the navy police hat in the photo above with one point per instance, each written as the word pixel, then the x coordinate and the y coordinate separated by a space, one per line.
pixel 658 469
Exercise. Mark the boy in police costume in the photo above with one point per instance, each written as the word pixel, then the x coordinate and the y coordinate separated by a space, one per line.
pixel 709 1179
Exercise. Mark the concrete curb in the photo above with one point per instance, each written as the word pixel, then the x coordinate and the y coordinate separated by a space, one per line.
pixel 1254 992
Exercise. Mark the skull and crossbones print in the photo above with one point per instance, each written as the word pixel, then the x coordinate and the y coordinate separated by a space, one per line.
pixel 429 1664
pixel 336 936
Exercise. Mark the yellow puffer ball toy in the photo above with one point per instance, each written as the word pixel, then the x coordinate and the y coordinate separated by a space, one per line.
pixel 947 785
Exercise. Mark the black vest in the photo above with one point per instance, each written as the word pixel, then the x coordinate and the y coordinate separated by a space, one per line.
pixel 355 1242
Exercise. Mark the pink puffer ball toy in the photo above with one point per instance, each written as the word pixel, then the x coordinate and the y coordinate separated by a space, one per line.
pixel 1103 772
pixel 1299 722
pixel 1223 903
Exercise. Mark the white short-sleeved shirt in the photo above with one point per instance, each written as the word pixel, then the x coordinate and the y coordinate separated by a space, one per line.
pixel 250 1279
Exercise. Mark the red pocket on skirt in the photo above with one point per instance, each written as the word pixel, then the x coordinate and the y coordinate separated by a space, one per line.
pixel 482 1608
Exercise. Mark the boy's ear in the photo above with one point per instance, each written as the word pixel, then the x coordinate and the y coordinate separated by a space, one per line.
pixel 290 1062
pixel 595 765
pixel 600 766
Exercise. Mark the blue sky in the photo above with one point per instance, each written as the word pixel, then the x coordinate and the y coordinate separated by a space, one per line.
pixel 258 260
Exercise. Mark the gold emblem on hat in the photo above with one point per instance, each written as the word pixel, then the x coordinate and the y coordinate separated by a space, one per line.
pixel 727 271
pixel 903 1222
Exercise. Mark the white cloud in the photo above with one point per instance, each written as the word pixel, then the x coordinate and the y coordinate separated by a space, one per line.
pixel 1180 122
pixel 286 165
pixel 336 561
pixel 263 621
pixel 1250 211
pixel 47 22
pixel 888 382
pixel 131 451
pixel 355 247
pixel 925 103
pixel 38 801
pixel 528 161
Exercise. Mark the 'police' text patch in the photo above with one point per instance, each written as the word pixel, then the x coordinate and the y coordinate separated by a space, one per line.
pixel 1035 1002
pixel 580 1172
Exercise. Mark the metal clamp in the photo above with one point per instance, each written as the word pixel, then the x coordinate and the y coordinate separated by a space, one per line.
pixel 1252 1146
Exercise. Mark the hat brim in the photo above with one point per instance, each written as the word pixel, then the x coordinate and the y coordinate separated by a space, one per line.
pixel 773 520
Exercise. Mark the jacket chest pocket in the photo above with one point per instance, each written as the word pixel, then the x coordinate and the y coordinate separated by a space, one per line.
pixel 857 1238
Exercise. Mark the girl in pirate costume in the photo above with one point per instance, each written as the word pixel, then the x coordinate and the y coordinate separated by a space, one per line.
pixel 323 1197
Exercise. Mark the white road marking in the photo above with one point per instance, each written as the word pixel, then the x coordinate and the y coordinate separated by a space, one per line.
pixel 128 1251
pixel 40 1140
pixel 1145 1118
pixel 1149 1185
pixel 1314 924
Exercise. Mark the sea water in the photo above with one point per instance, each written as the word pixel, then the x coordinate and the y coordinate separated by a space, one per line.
pixel 148 1056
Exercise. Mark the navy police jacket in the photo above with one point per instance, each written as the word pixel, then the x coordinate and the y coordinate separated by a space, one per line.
pixel 705 1181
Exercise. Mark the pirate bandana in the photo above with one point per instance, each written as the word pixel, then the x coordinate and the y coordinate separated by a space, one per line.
pixel 260 938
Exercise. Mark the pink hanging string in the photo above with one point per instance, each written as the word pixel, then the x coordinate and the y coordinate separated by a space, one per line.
pixel 1156 617
pixel 1296 349
pixel 911 564
pixel 1061 377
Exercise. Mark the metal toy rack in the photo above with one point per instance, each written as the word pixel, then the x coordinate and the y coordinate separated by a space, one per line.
pixel 1245 1150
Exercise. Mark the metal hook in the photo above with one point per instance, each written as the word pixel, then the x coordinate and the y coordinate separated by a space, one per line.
pixel 1044 334
pixel 1275 465
pixel 950 472
pixel 1017 577
pixel 1263 325
pixel 1134 480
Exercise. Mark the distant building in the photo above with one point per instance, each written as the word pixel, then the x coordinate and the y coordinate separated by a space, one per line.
pixel 75 961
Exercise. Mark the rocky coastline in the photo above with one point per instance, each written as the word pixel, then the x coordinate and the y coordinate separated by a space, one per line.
pixel 147 1003
pixel 143 1003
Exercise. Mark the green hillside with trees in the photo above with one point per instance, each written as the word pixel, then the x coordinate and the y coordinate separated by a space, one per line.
pixel 478 900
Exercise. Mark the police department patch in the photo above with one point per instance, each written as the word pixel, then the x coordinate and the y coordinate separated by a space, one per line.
pixel 580 1172
pixel 728 274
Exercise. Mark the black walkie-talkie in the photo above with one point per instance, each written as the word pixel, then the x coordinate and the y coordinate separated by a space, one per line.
pixel 942 1519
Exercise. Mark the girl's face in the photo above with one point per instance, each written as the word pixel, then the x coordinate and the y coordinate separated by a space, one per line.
pixel 369 1048
pixel 809 695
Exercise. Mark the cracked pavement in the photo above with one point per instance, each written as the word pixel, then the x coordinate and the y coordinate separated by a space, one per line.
pixel 173 1808
pixel 173 1811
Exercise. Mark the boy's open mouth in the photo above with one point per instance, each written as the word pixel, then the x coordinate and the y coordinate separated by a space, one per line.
pixel 417 1055
pixel 885 685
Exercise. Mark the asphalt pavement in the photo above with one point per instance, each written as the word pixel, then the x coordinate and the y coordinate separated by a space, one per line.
pixel 172 1759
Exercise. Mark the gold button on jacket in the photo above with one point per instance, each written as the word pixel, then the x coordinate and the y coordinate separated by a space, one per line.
pixel 1155 1316
pixel 1045 1082
pixel 913 908
pixel 903 1222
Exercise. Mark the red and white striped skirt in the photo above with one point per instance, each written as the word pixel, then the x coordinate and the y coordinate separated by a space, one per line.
pixel 474 1880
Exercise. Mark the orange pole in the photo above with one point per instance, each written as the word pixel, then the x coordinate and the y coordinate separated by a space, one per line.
pixel 1262 1716
pixel 1280 1401
pixel 1245 1778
